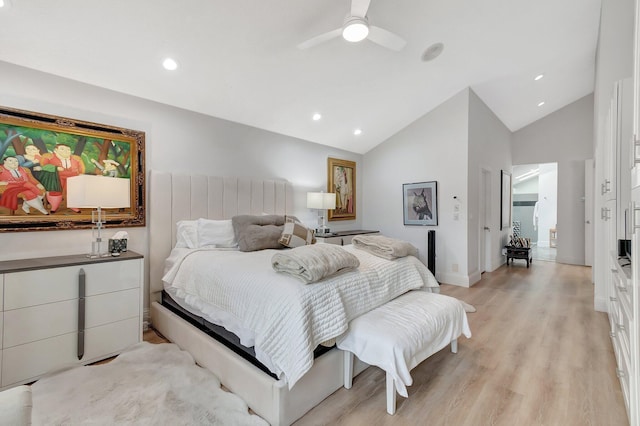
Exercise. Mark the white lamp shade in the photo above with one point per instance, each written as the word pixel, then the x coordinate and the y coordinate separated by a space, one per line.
pixel 321 200
pixel 98 191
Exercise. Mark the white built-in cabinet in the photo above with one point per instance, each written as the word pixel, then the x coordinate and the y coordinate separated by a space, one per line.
pixel 66 310
pixel 616 213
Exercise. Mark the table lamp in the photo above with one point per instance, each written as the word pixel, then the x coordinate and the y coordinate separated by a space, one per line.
pixel 322 201
pixel 89 191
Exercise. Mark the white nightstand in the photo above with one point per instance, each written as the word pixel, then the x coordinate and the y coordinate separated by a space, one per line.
pixel 67 310
pixel 342 238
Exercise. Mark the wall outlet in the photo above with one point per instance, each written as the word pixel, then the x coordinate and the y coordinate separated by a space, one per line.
pixel 454 267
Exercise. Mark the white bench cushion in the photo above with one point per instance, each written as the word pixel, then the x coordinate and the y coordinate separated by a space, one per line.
pixel 402 333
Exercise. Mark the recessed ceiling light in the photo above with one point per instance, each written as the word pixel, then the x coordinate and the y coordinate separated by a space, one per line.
pixel 538 77
pixel 316 116
pixel 357 132
pixel 541 103
pixel 169 64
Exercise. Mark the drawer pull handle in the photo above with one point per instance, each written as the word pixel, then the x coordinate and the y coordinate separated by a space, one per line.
pixel 613 299
pixel 622 289
pixel 81 312
pixel 621 327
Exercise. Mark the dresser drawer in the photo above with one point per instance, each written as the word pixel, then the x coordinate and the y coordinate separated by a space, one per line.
pixel 57 284
pixel 25 363
pixel 53 319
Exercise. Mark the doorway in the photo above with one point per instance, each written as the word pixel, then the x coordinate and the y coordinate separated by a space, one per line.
pixel 535 207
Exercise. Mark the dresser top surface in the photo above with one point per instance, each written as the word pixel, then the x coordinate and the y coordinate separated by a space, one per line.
pixel 20 265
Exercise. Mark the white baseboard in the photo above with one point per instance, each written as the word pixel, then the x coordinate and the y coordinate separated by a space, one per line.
pixel 456 279
pixel 600 304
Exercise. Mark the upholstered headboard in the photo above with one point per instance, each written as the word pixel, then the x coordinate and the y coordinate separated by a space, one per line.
pixel 174 197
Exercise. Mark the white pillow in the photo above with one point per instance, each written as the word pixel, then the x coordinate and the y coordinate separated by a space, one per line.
pixel 187 234
pixel 217 233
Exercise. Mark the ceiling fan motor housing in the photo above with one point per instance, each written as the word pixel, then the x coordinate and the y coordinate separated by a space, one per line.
pixel 355 28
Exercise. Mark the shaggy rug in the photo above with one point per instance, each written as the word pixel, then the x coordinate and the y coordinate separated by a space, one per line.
pixel 148 384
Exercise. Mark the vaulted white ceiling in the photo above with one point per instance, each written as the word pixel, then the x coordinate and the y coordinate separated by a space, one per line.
pixel 238 59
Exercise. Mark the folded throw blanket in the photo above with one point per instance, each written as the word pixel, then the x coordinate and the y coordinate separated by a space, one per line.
pixel 313 262
pixel 388 248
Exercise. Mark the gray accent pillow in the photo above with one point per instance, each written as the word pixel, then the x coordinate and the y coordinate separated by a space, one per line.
pixel 258 232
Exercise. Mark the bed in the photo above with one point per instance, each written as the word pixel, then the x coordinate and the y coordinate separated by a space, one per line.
pixel 294 385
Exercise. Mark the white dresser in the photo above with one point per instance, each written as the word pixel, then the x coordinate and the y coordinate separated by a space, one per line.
pixel 64 310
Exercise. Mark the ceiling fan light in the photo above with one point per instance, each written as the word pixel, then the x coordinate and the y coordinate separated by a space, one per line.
pixel 355 30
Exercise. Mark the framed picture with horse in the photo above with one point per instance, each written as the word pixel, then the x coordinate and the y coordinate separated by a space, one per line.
pixel 420 203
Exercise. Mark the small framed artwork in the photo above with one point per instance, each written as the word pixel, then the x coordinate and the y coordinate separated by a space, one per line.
pixel 420 203
pixel 505 200
pixel 39 152
pixel 342 181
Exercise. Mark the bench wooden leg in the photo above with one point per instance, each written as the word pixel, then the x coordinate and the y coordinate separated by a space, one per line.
pixel 391 395
pixel 454 346
pixel 348 369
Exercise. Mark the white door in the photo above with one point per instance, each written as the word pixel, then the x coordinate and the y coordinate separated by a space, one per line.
pixel 484 257
pixel 588 211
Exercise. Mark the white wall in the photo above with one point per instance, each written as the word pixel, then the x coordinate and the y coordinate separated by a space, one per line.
pixel 564 137
pixel 489 149
pixel 176 140
pixel 529 186
pixel 547 201
pixel 433 148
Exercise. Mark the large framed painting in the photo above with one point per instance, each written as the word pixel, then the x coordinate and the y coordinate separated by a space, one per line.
pixel 420 201
pixel 39 152
pixel 342 181
pixel 505 200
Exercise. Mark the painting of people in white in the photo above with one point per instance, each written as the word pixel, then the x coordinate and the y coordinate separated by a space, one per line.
pixel 342 181
pixel 420 206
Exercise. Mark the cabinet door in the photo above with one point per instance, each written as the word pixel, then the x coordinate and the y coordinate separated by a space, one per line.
pixel 57 284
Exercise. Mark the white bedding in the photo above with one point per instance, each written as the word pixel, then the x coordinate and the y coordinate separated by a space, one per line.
pixel 281 317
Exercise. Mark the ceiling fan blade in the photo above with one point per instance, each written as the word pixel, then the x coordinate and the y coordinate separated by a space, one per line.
pixel 386 38
pixel 320 39
pixel 359 7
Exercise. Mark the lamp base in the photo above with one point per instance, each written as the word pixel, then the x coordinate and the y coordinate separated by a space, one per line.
pixel 96 244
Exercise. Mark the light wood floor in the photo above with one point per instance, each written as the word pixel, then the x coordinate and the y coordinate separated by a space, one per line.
pixel 539 355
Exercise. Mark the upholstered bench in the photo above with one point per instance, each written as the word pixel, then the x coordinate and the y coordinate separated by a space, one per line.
pixel 399 335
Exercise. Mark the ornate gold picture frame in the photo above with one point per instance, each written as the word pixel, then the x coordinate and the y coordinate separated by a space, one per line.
pixel 342 181
pixel 38 152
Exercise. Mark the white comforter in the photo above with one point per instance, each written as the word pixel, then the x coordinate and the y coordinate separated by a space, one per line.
pixel 281 317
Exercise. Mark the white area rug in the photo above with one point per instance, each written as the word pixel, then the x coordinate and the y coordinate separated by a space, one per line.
pixel 148 384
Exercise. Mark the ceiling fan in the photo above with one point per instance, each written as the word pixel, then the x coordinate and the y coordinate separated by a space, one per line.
pixel 356 28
